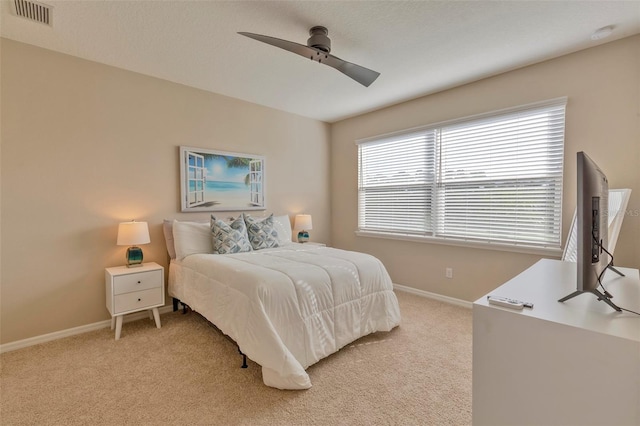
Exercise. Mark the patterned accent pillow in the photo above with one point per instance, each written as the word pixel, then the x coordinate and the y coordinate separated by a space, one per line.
pixel 229 238
pixel 262 233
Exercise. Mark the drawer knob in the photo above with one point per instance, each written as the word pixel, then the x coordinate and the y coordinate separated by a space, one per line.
pixel 139 282
pixel 139 300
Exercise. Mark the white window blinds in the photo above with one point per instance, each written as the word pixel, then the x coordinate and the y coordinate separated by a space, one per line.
pixel 397 178
pixel 495 178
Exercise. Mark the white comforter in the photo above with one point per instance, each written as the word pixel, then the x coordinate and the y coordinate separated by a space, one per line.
pixel 288 307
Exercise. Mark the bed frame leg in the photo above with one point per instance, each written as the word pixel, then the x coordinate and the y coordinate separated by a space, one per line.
pixel 175 305
pixel 244 359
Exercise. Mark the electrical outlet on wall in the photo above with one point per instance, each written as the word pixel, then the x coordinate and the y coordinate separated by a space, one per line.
pixel 448 272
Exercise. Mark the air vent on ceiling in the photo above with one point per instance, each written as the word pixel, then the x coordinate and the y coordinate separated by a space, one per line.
pixel 33 11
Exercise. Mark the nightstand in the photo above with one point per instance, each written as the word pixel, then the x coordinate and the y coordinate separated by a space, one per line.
pixel 131 290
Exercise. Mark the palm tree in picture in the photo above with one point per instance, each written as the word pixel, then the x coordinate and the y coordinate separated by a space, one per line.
pixel 240 163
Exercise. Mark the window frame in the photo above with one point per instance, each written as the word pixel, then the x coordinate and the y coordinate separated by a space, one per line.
pixel 465 241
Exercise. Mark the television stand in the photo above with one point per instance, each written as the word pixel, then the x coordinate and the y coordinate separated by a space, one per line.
pixel 600 296
pixel 606 298
pixel 615 270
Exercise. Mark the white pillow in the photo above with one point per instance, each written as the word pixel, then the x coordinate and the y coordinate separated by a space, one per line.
pixel 191 238
pixel 283 226
pixel 167 229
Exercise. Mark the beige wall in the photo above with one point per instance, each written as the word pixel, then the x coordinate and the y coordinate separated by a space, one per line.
pixel 86 146
pixel 602 119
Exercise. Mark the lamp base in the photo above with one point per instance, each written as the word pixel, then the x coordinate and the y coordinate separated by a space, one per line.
pixel 303 236
pixel 134 257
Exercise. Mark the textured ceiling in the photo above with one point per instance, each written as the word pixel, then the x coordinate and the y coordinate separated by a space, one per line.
pixel 419 47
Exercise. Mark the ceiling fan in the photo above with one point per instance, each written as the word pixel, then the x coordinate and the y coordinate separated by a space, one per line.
pixel 317 49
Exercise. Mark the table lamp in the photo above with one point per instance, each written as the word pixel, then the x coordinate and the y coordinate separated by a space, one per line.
pixel 303 223
pixel 131 234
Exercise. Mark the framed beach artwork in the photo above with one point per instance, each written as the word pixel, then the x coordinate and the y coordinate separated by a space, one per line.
pixel 220 180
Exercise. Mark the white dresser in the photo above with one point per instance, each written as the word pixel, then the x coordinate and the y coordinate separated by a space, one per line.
pixel 131 290
pixel 571 363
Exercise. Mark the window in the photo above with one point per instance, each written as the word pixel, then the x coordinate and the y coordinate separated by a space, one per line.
pixel 493 179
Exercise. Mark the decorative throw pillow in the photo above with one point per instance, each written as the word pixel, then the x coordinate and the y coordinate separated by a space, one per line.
pixel 262 233
pixel 229 238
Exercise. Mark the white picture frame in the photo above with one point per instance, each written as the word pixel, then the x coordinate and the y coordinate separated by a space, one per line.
pixel 212 180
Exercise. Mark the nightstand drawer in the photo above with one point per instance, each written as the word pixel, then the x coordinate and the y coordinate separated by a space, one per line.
pixel 138 281
pixel 137 300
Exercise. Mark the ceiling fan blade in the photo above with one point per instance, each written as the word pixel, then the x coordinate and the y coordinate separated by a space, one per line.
pixel 300 49
pixel 360 74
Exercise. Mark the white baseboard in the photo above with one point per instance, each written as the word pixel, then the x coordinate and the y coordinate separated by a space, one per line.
pixel 19 344
pixel 12 346
pixel 447 299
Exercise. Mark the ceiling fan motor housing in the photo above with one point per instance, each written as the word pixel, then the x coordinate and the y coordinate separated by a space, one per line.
pixel 319 39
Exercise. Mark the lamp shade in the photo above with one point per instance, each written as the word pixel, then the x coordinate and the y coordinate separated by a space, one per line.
pixel 303 221
pixel 133 233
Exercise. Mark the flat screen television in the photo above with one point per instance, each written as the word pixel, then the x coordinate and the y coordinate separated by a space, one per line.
pixel 592 230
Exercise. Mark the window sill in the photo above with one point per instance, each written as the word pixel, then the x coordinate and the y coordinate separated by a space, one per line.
pixel 514 248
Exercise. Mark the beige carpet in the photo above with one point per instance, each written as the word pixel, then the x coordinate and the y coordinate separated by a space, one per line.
pixel 188 373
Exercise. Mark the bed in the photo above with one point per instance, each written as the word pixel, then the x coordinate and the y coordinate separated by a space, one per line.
pixel 286 305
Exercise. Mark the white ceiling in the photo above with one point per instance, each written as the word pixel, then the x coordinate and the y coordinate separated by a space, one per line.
pixel 419 47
